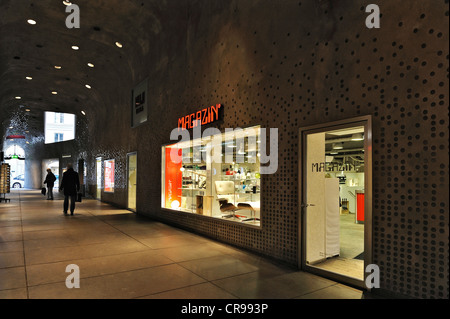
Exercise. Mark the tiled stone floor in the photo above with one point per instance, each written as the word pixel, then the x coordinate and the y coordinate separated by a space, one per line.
pixel 122 255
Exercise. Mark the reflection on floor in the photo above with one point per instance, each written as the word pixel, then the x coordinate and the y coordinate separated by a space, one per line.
pixel 352 245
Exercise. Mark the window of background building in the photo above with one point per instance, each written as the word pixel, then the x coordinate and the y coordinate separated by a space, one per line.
pixel 217 176
pixel 59 127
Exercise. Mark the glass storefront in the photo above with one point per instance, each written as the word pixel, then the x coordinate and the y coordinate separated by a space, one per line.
pixel 98 168
pixel 216 176
pixel 132 177
pixel 334 200
pixel 109 176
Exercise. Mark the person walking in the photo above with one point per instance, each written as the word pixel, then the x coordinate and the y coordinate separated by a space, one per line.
pixel 50 181
pixel 71 185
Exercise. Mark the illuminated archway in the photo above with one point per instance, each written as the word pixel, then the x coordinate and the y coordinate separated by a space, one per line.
pixel 15 157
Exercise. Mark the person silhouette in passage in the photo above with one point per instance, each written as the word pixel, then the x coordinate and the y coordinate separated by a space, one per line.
pixel 71 185
pixel 50 181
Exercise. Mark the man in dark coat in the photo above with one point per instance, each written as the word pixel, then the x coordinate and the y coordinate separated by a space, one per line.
pixel 71 185
pixel 50 181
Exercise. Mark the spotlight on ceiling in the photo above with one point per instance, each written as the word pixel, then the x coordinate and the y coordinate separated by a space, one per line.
pixel 91 65
pixel 75 47
pixel 54 92
pixel 357 137
pixel 88 86
pixel 17 97
pixel 57 67
pixel 27 110
pixel 28 78
pixel 67 3
pixel 118 44
pixel 31 21
pixel 82 112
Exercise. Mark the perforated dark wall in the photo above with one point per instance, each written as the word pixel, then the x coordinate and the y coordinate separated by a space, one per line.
pixel 287 64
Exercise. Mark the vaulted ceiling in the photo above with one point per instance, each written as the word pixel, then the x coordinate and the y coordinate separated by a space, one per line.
pixel 40 70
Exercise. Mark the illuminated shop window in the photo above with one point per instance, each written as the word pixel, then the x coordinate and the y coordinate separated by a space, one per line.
pixel 216 176
pixel 109 176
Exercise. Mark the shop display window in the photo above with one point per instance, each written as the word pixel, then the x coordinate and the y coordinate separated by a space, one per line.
pixel 216 176
pixel 109 176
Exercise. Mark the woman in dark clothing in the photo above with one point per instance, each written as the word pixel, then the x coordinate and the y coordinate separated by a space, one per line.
pixel 50 181
pixel 71 185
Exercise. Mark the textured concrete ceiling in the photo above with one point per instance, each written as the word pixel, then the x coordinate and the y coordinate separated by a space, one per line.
pixel 28 50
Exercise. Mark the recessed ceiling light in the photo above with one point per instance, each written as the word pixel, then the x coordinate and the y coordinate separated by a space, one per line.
pixel 27 110
pixel 54 92
pixel 29 78
pixel 67 3
pixel 118 44
pixel 90 65
pixel 57 67
pixel 18 97
pixel 75 47
pixel 337 146
pixel 88 86
pixel 357 137
pixel 82 112
pixel 30 21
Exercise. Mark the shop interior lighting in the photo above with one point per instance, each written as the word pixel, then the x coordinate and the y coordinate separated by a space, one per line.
pixel 88 86
pixel 82 112
pixel 29 78
pixel 90 65
pixel 31 21
pixel 67 3
pixel 241 149
pixel 57 67
pixel 75 47
pixel 54 92
pixel 17 97
pixel 337 146
pixel 357 137
pixel 119 45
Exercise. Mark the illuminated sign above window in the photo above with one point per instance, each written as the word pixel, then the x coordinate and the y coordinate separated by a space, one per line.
pixel 205 116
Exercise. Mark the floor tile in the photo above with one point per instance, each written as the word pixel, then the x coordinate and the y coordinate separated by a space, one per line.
pixel 218 267
pixel 20 293
pixel 11 259
pixel 12 278
pixel 98 266
pixel 125 285
pixel 201 291
pixel 334 292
